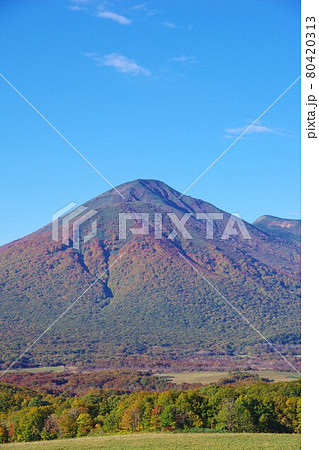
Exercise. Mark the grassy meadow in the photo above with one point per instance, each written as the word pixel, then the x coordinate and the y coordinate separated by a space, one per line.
pixel 166 441
pixel 214 377
pixel 42 369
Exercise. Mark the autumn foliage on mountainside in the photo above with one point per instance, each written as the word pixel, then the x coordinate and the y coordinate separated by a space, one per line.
pixel 150 308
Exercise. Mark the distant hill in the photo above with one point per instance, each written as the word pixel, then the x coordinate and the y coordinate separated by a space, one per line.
pixel 150 308
pixel 289 229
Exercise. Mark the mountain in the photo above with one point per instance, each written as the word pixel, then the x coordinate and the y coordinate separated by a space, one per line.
pixel 289 229
pixel 145 302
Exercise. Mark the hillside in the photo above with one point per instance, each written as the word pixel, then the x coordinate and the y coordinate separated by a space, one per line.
pixel 150 308
pixel 289 229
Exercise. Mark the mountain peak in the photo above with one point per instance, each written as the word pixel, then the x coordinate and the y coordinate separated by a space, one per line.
pixel 149 191
pixel 138 187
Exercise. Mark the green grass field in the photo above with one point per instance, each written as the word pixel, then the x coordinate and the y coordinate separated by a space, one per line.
pixel 40 369
pixel 213 377
pixel 170 441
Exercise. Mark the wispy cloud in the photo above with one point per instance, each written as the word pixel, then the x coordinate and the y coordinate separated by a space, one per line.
pixel 120 63
pixel 78 5
pixel 80 2
pixel 97 8
pixel 169 24
pixel 143 7
pixel 153 12
pixel 139 6
pixel 114 16
pixel 172 25
pixel 76 8
pixel 185 59
pixel 256 129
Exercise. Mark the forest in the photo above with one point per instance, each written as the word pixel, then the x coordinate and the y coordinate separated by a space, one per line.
pixel 234 406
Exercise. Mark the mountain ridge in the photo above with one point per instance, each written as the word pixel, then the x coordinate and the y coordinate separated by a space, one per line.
pixel 280 227
pixel 149 184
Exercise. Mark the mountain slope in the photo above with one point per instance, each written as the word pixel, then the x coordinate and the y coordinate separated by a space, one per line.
pixel 289 229
pixel 149 307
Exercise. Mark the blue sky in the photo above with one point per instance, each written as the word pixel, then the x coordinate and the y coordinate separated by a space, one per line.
pixel 149 90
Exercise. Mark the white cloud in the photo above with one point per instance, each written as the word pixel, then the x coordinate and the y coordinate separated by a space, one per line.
pixel 76 8
pixel 97 8
pixel 153 12
pixel 170 24
pixel 142 7
pixel 114 16
pixel 139 6
pixel 185 59
pixel 121 64
pixel 255 129
pixel 78 5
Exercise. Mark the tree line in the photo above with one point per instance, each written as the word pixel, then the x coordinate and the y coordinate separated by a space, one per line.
pixel 27 415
